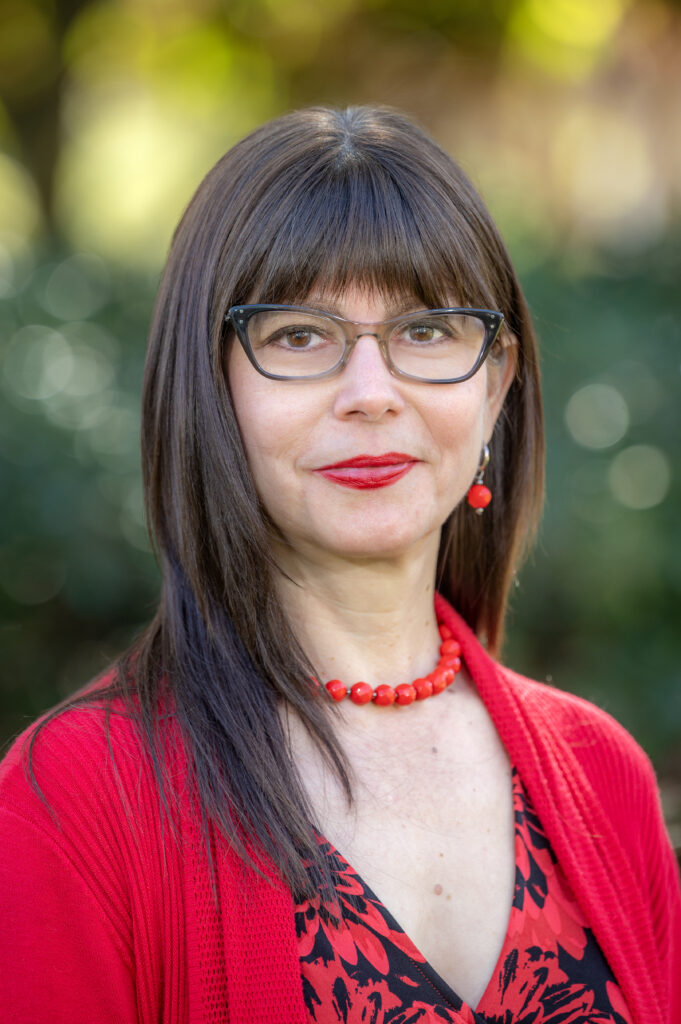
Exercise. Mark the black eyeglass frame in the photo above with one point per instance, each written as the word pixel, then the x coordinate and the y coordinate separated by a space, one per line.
pixel 240 315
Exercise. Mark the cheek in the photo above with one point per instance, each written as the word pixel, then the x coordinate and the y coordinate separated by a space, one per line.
pixel 272 429
pixel 457 420
pixel 457 424
pixel 260 428
pixel 247 401
pixel 252 407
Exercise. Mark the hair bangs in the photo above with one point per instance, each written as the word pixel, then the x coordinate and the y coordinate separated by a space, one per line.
pixel 359 226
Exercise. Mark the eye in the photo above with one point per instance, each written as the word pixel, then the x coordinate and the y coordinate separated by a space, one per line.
pixel 299 337
pixel 421 332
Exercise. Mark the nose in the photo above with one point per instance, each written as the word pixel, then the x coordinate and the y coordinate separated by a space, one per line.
pixel 366 387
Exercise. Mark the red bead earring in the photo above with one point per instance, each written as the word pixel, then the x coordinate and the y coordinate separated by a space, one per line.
pixel 479 496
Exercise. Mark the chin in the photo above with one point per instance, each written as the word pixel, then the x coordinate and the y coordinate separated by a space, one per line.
pixel 377 540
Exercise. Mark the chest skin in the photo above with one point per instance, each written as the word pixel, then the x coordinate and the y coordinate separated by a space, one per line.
pixel 431 826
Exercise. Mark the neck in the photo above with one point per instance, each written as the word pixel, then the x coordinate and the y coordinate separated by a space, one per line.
pixel 369 620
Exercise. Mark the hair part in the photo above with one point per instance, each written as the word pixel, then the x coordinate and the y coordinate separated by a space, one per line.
pixel 318 199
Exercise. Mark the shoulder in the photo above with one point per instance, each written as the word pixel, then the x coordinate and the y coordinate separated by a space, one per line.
pixel 547 727
pixel 612 759
pixel 68 809
pixel 76 765
pixel 580 722
pixel 72 733
pixel 87 876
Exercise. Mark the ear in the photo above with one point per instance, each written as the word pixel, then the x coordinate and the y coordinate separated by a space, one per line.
pixel 501 365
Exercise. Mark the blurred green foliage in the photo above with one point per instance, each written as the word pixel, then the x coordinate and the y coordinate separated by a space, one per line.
pixel 76 575
pixel 597 609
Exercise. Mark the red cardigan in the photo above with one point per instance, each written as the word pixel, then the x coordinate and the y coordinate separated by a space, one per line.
pixel 98 924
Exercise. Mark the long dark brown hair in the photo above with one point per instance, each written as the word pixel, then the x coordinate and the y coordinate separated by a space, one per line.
pixel 322 198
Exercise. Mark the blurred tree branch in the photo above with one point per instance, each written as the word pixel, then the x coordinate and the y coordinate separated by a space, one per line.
pixel 31 84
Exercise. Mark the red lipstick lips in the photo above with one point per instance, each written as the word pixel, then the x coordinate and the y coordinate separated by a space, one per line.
pixel 366 472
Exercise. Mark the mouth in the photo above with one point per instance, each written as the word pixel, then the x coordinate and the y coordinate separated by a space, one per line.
pixel 365 461
pixel 366 472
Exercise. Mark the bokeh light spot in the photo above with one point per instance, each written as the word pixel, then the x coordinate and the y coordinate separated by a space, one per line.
pixel 114 437
pixel 597 416
pixel 31 577
pixel 76 288
pixel 576 22
pixel 639 476
pixel 564 37
pixel 605 169
pixel 7 286
pixel 39 362
pixel 92 372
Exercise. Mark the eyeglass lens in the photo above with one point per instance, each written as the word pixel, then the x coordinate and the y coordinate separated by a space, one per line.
pixel 434 346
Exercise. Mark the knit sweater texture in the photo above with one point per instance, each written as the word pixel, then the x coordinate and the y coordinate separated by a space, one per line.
pixel 105 917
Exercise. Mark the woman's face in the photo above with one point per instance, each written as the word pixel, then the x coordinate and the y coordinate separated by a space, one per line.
pixel 293 431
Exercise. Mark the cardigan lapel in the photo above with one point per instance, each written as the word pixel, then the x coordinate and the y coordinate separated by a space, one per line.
pixel 242 958
pixel 261 956
pixel 580 831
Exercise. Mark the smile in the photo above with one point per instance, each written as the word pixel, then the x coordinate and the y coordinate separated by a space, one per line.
pixel 366 472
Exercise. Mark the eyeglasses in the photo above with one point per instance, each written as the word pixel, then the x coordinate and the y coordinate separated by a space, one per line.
pixel 439 346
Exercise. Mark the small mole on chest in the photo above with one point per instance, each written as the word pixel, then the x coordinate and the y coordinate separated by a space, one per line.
pixel 433 750
pixel 437 889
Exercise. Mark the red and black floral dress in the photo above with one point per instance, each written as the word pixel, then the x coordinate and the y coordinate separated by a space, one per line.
pixel 550 969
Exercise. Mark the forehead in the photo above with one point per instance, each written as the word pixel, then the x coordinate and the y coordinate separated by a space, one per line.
pixel 362 304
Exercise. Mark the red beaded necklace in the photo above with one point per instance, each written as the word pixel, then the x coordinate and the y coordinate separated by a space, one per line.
pixel 436 681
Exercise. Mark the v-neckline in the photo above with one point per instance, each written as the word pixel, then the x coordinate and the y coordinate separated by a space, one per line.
pixel 438 983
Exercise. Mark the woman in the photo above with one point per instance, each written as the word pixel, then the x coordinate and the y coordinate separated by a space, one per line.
pixel 309 744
